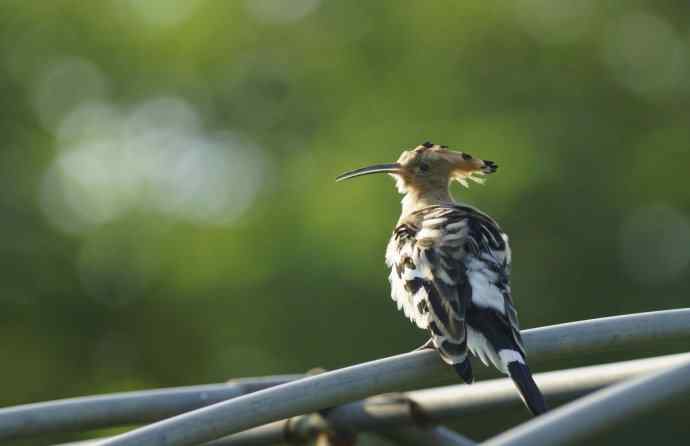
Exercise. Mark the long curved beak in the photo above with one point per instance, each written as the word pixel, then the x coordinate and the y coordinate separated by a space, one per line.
pixel 376 168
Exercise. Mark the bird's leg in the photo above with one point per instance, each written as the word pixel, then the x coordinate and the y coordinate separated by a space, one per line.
pixel 428 344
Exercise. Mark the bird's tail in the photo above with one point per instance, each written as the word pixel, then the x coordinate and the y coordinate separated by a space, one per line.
pixel 529 391
pixel 464 370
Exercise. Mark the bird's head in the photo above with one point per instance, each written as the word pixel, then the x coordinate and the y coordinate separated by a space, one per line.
pixel 428 167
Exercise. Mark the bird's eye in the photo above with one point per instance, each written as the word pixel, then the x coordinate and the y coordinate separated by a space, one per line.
pixel 466 156
pixel 423 167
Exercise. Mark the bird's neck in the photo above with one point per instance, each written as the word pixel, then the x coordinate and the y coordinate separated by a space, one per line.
pixel 420 198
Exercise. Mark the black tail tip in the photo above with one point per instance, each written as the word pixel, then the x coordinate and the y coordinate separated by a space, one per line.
pixel 531 395
pixel 464 370
pixel 537 407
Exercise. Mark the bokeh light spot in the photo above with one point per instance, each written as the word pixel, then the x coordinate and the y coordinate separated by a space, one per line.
pixel 279 11
pixel 655 244
pixel 646 55
pixel 153 157
pixel 163 13
pixel 556 22
pixel 64 85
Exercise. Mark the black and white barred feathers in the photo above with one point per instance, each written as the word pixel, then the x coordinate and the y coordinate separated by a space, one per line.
pixel 450 268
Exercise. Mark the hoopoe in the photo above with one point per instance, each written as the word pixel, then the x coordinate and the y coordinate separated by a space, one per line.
pixel 450 266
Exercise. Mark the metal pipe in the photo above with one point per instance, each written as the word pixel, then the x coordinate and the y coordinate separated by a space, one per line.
pixel 401 372
pixel 437 436
pixel 93 412
pixel 599 411
pixel 386 413
pixel 389 412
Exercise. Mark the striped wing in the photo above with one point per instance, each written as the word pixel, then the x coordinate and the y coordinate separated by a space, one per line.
pixel 450 268
pixel 450 264
pixel 428 280
pixel 492 319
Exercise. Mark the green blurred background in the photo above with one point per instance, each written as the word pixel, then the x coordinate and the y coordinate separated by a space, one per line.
pixel 167 203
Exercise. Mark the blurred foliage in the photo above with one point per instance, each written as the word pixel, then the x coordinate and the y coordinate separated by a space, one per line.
pixel 169 214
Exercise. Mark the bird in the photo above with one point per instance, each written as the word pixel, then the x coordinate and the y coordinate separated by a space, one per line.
pixel 450 266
